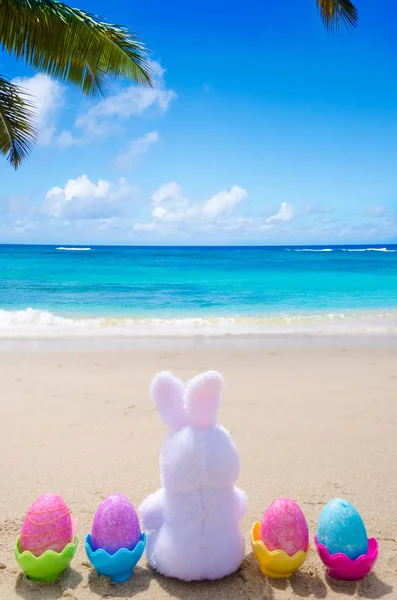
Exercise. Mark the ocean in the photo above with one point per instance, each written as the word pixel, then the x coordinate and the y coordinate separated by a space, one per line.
pixel 65 291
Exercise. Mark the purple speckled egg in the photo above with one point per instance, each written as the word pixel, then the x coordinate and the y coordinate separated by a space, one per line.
pixel 116 525
pixel 284 527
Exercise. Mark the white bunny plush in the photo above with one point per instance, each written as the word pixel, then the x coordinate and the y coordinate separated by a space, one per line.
pixel 193 521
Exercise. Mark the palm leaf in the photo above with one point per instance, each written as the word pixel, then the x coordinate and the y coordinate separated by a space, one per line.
pixel 17 130
pixel 338 13
pixel 71 45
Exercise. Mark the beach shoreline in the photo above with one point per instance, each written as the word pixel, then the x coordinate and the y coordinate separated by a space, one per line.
pixel 42 324
pixel 214 342
pixel 312 420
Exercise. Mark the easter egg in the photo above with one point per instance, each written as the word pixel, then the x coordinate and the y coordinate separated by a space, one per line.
pixel 115 525
pixel 47 526
pixel 341 529
pixel 284 527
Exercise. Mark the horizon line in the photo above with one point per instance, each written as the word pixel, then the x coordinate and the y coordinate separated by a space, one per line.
pixel 81 245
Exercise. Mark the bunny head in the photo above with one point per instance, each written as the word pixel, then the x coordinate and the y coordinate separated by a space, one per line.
pixel 198 453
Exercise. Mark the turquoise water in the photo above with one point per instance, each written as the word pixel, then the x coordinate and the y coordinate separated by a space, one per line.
pixel 45 287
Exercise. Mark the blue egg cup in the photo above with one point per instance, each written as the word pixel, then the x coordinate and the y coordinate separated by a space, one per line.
pixel 119 566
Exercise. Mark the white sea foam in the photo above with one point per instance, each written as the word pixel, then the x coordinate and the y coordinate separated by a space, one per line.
pixel 73 249
pixel 367 250
pixel 342 249
pixel 313 250
pixel 32 323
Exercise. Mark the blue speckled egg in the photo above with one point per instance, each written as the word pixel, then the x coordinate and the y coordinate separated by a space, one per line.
pixel 341 529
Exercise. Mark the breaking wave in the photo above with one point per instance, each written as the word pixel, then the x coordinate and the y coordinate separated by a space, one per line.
pixel 341 250
pixel 367 250
pixel 73 249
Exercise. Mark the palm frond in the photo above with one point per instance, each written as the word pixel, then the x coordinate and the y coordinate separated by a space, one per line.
pixel 17 130
pixel 71 45
pixel 338 13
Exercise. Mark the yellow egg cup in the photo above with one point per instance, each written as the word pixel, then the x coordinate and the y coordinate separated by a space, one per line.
pixel 276 564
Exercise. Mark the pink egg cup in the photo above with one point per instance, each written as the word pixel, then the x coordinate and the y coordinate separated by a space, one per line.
pixel 341 567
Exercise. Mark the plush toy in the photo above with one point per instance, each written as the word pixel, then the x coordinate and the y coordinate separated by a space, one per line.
pixel 193 520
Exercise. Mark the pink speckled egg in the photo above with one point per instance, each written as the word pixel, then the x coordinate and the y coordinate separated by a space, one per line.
pixel 116 525
pixel 47 526
pixel 284 527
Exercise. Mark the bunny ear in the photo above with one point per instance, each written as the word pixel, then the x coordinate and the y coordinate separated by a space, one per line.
pixel 203 398
pixel 167 394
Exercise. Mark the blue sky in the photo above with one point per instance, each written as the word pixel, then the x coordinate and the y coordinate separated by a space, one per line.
pixel 262 128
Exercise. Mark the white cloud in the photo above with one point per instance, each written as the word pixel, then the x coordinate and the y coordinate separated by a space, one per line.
pixel 236 223
pixel 170 207
pixel 80 198
pixel 151 226
pixel 67 139
pixel 316 209
pixel 47 96
pixel 167 191
pixel 224 202
pixel 376 211
pixel 172 214
pixel 157 73
pixel 285 213
pixel 135 150
pixel 131 101
pixel 263 226
pixel 84 211
pixel 103 118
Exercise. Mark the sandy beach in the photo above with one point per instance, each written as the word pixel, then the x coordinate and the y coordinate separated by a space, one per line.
pixel 311 422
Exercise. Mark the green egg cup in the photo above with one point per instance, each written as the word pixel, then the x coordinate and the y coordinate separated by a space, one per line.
pixel 47 567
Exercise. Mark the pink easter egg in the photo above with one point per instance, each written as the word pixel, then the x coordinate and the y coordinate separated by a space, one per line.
pixel 284 527
pixel 47 526
pixel 115 525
